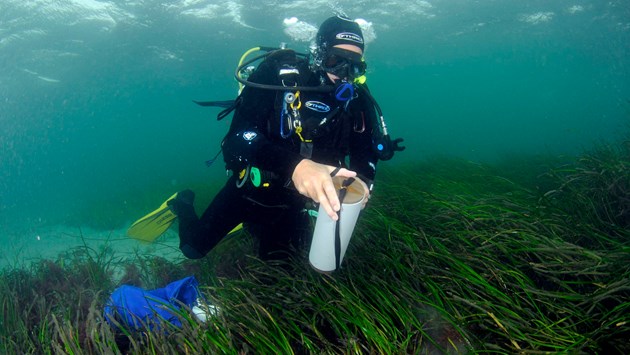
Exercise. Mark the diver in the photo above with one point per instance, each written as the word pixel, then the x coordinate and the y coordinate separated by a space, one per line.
pixel 297 123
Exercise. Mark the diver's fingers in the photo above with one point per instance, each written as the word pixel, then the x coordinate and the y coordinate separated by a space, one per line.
pixel 329 200
pixel 343 172
pixel 314 180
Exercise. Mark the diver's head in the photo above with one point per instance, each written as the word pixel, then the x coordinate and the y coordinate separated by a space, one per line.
pixel 339 49
pixel 339 30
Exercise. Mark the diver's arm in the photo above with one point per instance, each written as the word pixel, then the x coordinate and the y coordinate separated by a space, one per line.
pixel 310 179
pixel 363 161
pixel 247 142
pixel 363 158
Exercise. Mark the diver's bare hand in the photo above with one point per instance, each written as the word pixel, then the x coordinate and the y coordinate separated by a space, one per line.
pixel 313 180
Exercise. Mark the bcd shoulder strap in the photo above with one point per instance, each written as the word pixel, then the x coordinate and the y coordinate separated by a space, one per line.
pixel 287 65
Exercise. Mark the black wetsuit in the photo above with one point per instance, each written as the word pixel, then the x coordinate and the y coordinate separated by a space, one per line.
pixel 261 137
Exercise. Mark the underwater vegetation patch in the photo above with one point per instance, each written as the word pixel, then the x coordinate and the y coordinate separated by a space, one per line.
pixel 451 257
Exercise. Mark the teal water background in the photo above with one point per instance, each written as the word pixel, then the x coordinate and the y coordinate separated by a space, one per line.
pixel 98 125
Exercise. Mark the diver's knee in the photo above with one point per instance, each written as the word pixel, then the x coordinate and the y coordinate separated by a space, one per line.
pixel 190 252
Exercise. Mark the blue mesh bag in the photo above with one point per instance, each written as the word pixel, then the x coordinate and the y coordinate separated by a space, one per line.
pixel 135 308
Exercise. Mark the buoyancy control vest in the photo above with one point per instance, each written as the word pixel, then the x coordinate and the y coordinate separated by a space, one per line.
pixel 297 90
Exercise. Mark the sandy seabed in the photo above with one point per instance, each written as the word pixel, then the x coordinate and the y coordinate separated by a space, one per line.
pixel 21 249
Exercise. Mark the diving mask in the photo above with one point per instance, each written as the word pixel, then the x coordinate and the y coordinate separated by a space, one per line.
pixel 344 64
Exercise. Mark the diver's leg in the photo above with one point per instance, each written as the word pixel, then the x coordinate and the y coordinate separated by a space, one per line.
pixel 280 232
pixel 197 236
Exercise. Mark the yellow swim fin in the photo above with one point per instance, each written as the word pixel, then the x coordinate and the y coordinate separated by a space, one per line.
pixel 153 225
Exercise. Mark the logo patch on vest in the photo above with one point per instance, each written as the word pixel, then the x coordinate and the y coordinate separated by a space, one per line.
pixel 317 106
pixel 349 36
pixel 249 136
